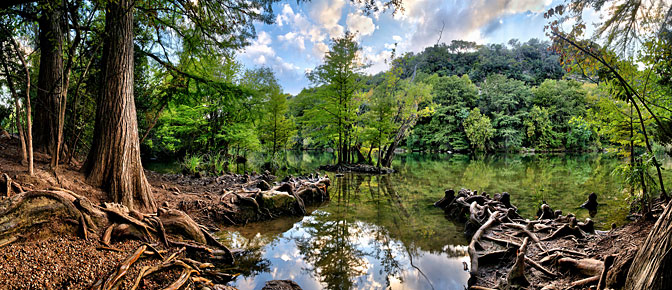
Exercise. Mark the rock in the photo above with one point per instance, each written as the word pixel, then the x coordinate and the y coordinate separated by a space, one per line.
pixel 281 285
pixel 277 201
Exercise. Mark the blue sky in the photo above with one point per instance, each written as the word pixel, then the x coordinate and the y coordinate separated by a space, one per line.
pixel 300 36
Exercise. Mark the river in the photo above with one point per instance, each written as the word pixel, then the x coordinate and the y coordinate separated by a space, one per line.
pixel 382 232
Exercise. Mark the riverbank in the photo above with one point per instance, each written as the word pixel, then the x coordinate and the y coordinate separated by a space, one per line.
pixel 553 251
pixel 57 232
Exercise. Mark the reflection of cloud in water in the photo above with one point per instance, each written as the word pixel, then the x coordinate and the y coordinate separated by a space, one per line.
pixel 316 253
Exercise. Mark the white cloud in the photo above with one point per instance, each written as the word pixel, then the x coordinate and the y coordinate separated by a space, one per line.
pixel 397 38
pixel 377 61
pixel 328 13
pixel 260 46
pixel 360 24
pixel 292 38
pixel 260 60
pixel 319 49
pixel 465 20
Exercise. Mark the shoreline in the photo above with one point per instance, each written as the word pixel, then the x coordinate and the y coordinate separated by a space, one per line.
pixel 553 251
pixel 62 233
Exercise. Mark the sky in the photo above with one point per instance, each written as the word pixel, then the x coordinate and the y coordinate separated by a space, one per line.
pixel 301 34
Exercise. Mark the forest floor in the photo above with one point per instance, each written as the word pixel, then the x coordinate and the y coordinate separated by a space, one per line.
pixel 53 256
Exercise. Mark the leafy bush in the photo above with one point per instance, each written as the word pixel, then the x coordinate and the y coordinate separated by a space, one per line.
pixel 192 163
pixel 217 163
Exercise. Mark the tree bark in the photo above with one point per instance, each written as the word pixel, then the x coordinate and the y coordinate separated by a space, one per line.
pixel 114 159
pixel 50 78
pixel 653 261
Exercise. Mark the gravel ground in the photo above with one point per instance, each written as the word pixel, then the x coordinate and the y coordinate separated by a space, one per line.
pixel 64 262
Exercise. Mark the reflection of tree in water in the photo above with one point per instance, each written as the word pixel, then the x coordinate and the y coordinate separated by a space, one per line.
pixel 253 239
pixel 335 243
pixel 339 248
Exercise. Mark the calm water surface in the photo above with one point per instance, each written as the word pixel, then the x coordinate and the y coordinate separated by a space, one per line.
pixel 382 232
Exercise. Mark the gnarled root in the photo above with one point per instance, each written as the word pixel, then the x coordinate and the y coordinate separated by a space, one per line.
pixel 116 276
pixel 516 276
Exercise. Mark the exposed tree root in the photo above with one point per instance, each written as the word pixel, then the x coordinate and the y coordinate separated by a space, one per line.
pixel 516 276
pixel 116 276
pixel 496 224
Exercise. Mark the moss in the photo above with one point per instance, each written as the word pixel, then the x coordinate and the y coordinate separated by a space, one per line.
pixel 277 200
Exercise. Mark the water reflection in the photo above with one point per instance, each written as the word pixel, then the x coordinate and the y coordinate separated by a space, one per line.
pixel 383 232
pixel 365 238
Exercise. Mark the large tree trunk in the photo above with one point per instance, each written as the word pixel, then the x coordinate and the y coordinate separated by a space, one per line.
pixel 50 78
pixel 652 266
pixel 114 160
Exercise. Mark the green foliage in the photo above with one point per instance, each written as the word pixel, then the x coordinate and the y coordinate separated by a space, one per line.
pixel 192 163
pixel 540 129
pixel 478 129
pixel 217 163
pixel 638 179
pixel 334 112
pixel 507 101
pixel 275 128
pixel 443 130
pixel 531 62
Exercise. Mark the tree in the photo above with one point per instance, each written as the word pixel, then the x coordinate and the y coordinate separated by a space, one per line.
pixel 478 129
pixel 410 101
pixel 275 128
pixel 540 131
pixel 114 160
pixel 340 76
pixel 507 101
pixel 453 96
pixel 50 80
